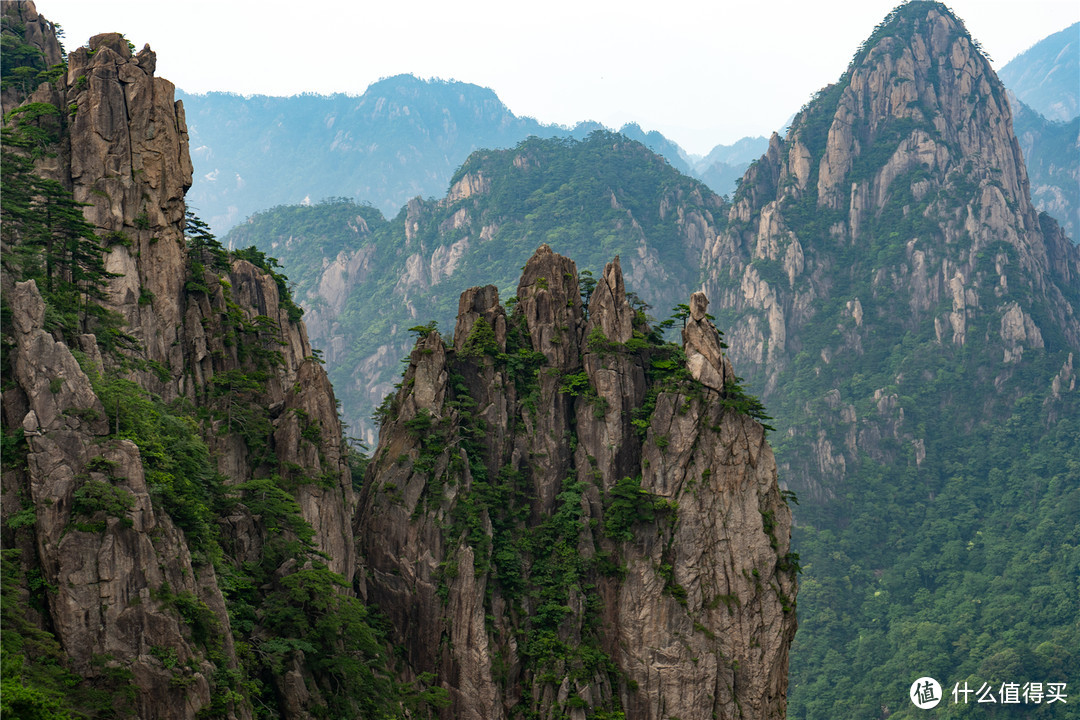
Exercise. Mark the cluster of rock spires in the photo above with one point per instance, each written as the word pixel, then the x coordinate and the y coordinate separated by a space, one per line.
pixel 685 608
pixel 696 617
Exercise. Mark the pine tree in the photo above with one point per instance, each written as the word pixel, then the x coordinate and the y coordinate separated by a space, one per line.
pixel 45 235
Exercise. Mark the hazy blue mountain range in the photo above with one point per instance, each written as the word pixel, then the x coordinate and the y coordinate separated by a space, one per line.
pixel 1052 153
pixel 1044 82
pixel 402 138
pixel 887 287
pixel 1046 77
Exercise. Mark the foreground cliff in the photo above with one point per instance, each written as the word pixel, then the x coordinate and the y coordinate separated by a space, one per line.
pixel 566 517
pixel 177 501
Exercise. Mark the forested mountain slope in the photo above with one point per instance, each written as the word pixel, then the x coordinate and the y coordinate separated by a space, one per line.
pixel 402 138
pixel 366 281
pixel 913 324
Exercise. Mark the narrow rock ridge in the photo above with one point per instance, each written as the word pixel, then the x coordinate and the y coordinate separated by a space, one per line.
pixel 492 517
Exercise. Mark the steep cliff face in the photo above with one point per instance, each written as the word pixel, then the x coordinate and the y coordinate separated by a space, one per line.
pixel 898 203
pixel 562 519
pixel 146 457
pixel 112 557
pixel 913 323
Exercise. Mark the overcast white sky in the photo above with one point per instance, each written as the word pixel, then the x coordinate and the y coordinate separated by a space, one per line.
pixel 702 72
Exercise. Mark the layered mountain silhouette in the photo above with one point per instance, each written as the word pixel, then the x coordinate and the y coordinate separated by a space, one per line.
pixel 403 138
pixel 1046 77
pixel 564 513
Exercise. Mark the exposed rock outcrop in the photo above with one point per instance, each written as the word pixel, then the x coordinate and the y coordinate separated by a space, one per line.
pixel 34 36
pixel 551 529
pixel 109 568
pixel 703 347
pixel 899 199
pixel 216 337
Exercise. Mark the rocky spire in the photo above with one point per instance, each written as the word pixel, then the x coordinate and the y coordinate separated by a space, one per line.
pixel 114 532
pixel 703 347
pixel 538 499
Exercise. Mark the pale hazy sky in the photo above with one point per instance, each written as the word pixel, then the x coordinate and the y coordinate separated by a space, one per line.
pixel 702 72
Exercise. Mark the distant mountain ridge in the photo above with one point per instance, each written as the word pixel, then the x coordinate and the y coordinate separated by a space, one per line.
pixel 1052 154
pixel 403 138
pixel 1046 77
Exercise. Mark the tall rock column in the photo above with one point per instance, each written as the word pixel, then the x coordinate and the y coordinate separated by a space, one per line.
pixel 562 519
pixel 124 153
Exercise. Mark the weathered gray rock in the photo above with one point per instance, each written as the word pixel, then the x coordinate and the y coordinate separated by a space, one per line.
pixel 704 351
pixel 112 574
pixel 124 152
pixel 609 309
pixel 40 34
pixel 548 297
pixel 698 619
pixel 59 393
pixel 605 424
pixel 477 303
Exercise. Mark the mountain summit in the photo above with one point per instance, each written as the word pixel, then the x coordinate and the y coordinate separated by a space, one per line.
pixel 913 323
pixel 903 186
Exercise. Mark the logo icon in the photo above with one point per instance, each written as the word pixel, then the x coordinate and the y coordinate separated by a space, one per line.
pixel 925 693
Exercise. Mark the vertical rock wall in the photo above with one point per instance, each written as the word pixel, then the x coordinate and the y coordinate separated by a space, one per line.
pixel 687 610
pixel 123 151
